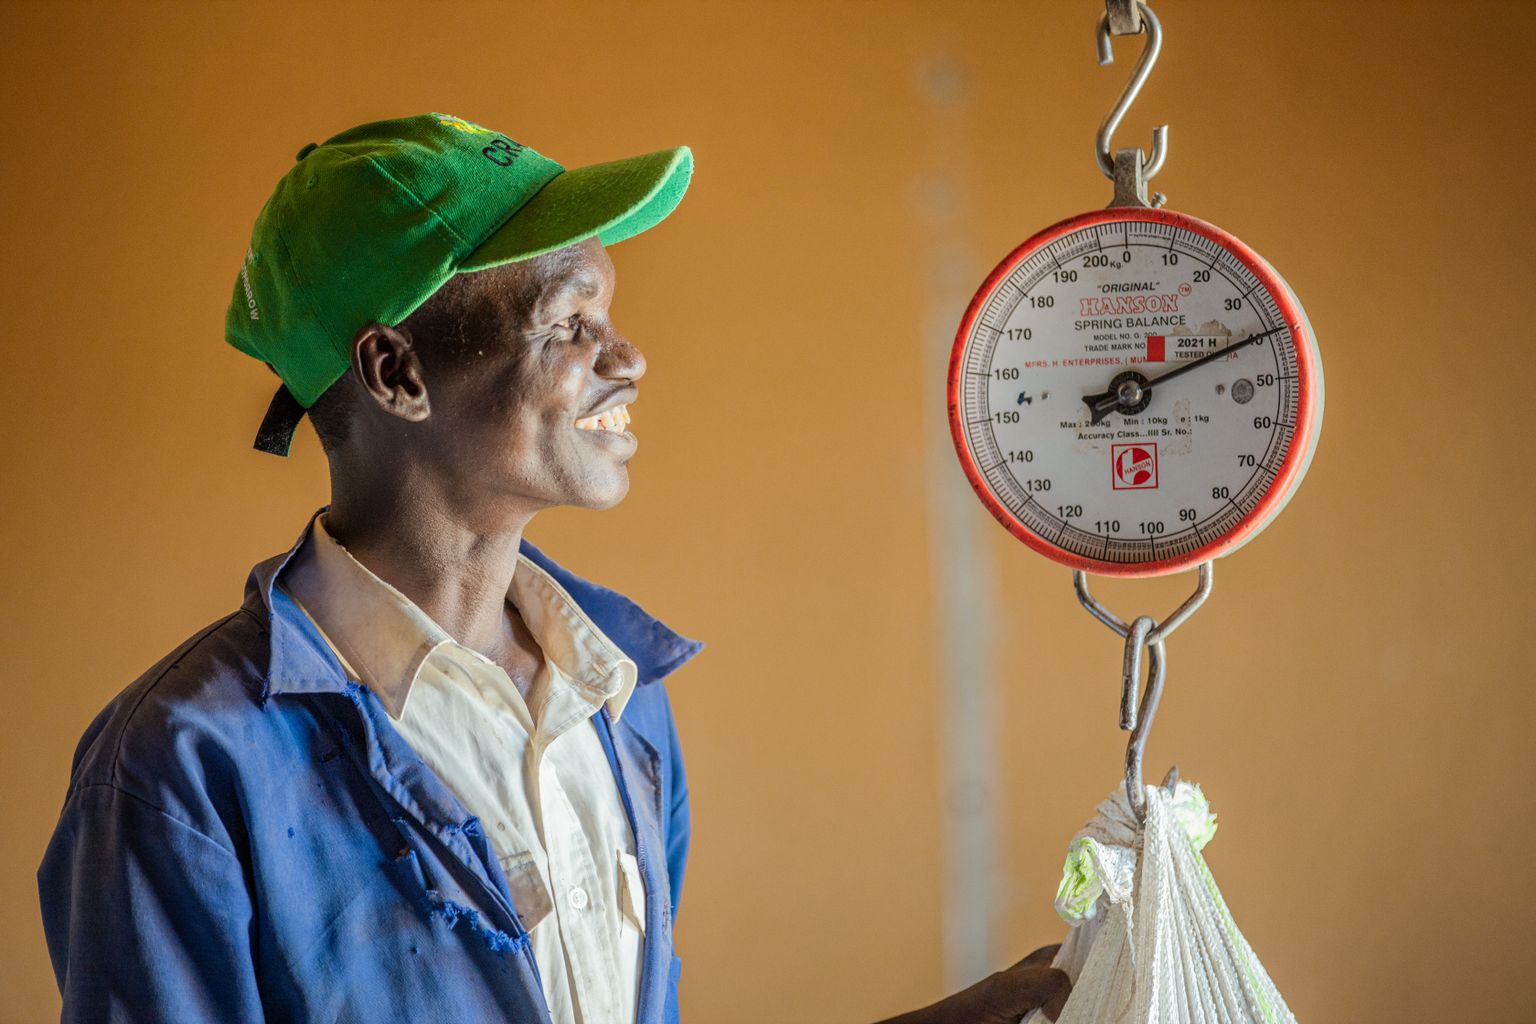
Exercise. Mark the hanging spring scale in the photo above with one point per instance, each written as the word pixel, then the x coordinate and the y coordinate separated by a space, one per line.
pixel 1135 392
pixel 1130 170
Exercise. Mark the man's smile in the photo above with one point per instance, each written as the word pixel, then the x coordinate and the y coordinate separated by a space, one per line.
pixel 616 419
pixel 610 428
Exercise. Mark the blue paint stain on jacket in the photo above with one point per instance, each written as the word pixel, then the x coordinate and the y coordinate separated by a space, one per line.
pixel 246 837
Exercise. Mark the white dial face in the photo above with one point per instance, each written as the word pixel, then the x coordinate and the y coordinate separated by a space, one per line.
pixel 1129 392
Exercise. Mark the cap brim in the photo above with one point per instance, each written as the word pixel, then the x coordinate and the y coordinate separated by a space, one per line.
pixel 612 201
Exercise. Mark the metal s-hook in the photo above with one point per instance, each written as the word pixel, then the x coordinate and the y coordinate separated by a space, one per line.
pixel 1143 634
pixel 1129 168
pixel 1137 719
pixel 1135 641
pixel 1141 716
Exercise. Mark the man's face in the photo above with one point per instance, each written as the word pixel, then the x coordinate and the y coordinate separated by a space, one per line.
pixel 535 409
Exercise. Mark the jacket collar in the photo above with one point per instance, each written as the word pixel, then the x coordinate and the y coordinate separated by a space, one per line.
pixel 302 662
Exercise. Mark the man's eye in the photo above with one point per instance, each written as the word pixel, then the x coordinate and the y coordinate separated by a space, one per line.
pixel 571 323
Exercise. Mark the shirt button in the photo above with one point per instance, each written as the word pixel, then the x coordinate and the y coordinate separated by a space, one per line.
pixel 578 898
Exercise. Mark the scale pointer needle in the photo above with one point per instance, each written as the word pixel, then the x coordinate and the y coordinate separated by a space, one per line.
pixel 1130 391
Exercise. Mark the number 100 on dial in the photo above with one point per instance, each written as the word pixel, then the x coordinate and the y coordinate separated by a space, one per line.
pixel 1134 391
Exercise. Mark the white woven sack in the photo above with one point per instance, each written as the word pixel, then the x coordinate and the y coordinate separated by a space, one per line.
pixel 1152 941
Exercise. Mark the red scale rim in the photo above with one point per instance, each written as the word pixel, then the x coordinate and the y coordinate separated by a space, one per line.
pixel 1280 488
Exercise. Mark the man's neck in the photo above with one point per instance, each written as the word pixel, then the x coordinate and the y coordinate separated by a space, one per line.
pixel 456 564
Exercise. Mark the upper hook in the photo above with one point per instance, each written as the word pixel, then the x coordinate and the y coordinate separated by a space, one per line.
pixel 1154 162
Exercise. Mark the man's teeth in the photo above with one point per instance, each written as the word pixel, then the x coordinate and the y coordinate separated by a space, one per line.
pixel 616 418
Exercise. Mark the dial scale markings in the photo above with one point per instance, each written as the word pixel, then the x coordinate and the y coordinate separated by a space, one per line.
pixel 1058 323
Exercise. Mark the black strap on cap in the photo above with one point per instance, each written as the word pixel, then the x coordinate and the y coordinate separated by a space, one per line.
pixel 275 435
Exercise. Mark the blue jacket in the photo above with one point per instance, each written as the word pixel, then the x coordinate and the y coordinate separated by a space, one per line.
pixel 247 838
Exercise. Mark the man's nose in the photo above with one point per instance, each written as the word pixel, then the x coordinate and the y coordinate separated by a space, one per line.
pixel 618 359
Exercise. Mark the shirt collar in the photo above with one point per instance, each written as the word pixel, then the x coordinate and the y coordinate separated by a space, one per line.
pixel 301 660
pixel 384 638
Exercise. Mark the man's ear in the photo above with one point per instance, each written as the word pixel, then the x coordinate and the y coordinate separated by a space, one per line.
pixel 390 371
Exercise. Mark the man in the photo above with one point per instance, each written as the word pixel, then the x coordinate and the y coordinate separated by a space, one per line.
pixel 423 773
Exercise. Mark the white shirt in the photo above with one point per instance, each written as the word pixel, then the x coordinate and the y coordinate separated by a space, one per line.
pixel 532 771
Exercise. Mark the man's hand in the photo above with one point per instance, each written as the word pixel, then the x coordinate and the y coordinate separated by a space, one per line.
pixel 1001 998
pixel 1004 997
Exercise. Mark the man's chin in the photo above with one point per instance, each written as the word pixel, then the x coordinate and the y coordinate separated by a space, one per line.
pixel 607 497
pixel 602 506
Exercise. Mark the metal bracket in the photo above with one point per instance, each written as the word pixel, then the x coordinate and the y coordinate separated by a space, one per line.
pixel 1124 17
pixel 1160 632
pixel 1131 181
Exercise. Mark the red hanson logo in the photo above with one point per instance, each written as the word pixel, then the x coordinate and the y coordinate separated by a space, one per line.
pixel 1111 305
pixel 1133 467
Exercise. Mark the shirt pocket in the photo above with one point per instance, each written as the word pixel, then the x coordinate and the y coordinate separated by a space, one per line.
pixel 631 892
pixel 530 896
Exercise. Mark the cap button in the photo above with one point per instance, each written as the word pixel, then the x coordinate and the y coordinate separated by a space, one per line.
pixel 307 150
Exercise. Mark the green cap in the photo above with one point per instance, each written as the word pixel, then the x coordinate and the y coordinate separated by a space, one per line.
pixel 368 224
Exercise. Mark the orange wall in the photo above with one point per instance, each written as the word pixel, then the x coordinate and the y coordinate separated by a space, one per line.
pixel 1355 698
